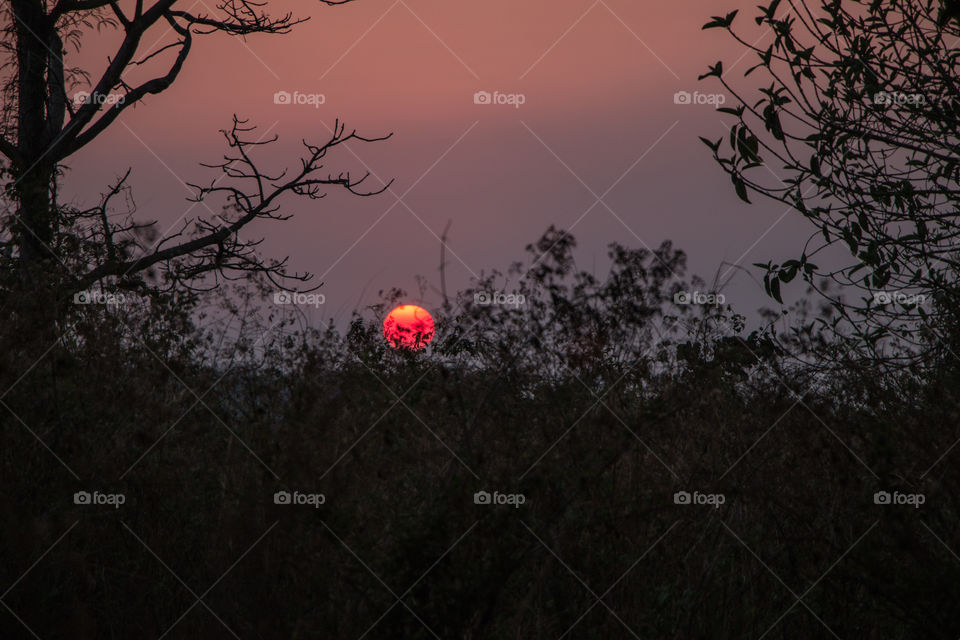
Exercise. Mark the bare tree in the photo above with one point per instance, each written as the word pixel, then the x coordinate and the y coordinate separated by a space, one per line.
pixel 40 128
pixel 854 125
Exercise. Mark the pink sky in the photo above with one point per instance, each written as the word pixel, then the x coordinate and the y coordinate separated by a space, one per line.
pixel 598 80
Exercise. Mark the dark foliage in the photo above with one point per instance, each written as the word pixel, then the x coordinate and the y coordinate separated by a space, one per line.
pixel 571 399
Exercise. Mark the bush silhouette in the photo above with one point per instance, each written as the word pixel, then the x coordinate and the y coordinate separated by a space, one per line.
pixel 598 400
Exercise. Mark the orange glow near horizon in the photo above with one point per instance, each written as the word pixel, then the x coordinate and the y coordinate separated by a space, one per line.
pixel 408 327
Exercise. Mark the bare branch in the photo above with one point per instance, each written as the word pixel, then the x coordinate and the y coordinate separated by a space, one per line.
pixel 249 193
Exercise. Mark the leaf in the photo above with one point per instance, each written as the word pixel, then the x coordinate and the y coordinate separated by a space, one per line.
pixel 718 22
pixel 740 188
pixel 775 290
pixel 768 12
pixel 715 70
pixel 771 120
pixel 714 146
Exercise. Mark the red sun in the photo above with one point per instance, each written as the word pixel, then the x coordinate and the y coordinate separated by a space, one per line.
pixel 408 327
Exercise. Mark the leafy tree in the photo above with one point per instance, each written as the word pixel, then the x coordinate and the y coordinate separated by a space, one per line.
pixel 854 125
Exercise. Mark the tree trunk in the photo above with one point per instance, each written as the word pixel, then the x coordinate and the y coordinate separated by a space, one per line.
pixel 37 44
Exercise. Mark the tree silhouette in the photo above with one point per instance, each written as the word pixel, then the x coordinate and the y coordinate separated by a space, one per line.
pixel 40 128
pixel 854 125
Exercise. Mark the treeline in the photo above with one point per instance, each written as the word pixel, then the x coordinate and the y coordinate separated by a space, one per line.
pixel 681 477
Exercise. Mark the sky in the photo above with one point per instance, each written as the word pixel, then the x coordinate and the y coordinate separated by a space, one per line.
pixel 590 138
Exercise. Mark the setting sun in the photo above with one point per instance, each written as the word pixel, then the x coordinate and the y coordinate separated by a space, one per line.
pixel 408 327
